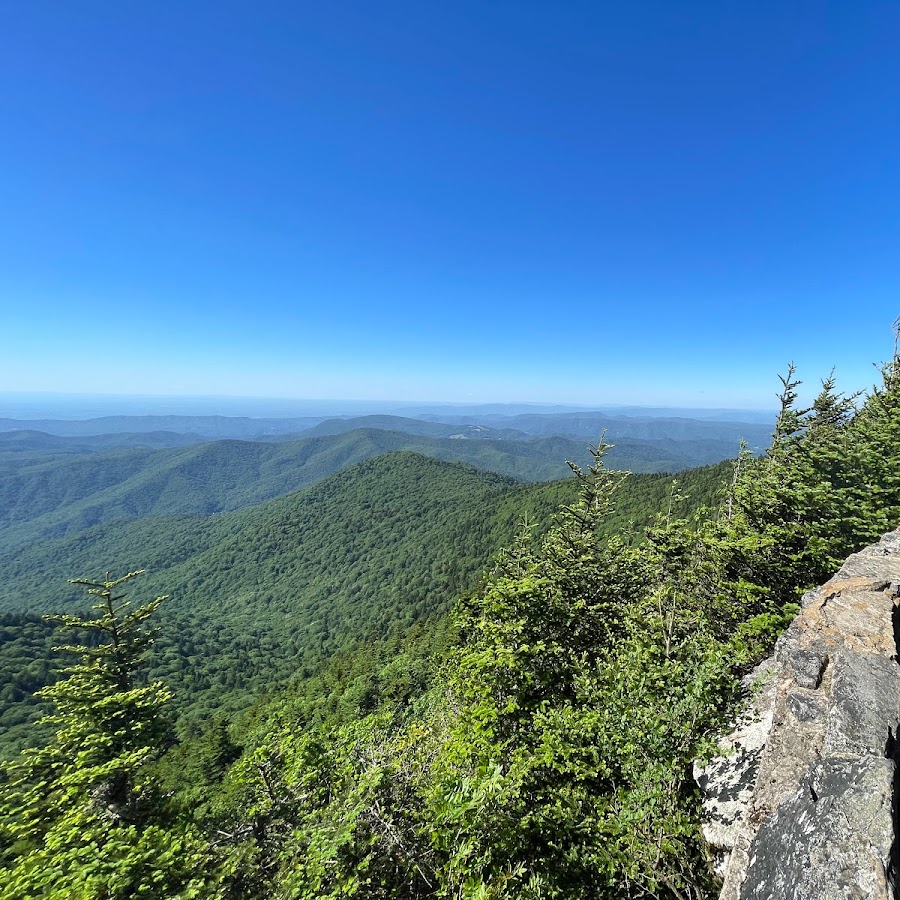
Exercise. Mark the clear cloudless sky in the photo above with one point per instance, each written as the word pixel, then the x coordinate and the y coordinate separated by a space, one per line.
pixel 586 202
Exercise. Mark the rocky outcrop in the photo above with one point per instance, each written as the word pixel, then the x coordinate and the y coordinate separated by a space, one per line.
pixel 802 804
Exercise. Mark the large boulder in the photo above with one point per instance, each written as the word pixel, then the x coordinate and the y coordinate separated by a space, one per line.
pixel 801 803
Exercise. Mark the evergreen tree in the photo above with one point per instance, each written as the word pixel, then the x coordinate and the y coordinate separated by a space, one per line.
pixel 828 486
pixel 565 770
pixel 79 819
pixel 874 506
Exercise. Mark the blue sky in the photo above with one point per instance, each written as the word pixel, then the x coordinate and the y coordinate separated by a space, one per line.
pixel 645 202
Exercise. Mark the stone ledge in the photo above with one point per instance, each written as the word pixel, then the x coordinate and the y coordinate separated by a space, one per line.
pixel 801 803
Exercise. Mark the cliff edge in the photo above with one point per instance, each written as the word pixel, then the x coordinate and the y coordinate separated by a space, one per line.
pixel 802 805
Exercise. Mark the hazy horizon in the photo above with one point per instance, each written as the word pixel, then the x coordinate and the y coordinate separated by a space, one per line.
pixel 63 405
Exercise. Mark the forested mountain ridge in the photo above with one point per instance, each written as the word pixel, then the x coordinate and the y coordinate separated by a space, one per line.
pixel 258 590
pixel 30 443
pixel 68 495
pixel 472 431
pixel 51 498
pixel 367 485
pixel 261 592
pixel 635 425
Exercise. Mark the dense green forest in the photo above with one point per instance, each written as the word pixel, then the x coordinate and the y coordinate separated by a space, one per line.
pixel 264 592
pixel 534 744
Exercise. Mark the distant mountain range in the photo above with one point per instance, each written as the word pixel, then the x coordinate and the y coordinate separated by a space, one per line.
pixel 33 406
pixel 590 424
pixel 50 496
pixel 487 426
pixel 40 441
pixel 204 426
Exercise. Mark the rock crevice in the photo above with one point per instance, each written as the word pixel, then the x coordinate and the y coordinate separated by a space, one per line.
pixel 802 803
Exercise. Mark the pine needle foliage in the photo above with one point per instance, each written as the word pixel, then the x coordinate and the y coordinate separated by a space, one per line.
pixel 77 817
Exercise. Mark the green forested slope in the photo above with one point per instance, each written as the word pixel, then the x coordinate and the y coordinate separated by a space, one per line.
pixel 65 496
pixel 259 593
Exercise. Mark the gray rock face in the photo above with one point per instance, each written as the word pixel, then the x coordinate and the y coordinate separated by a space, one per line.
pixel 830 841
pixel 801 805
